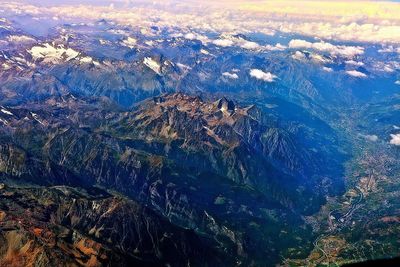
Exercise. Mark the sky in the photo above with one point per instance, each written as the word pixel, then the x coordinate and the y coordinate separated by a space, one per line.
pixel 351 21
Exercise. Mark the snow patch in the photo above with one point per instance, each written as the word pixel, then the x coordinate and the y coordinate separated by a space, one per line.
pixel 4 121
pixel 89 60
pixel 183 66
pixel 149 43
pixel 5 66
pixel 129 42
pixel 104 42
pixel 51 53
pixel 318 58
pixel 5 111
pixel 152 64
pixel 36 117
pixel 205 52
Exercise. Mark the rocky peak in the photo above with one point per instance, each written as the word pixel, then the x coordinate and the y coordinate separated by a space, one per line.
pixel 226 106
pixel 182 114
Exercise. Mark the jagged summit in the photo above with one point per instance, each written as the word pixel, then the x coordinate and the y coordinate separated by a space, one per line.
pixel 222 126
pixel 226 105
pixel 179 115
pixel 195 105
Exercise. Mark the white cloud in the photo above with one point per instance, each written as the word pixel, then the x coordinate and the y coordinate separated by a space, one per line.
pixel 298 55
pixel 190 36
pixel 397 82
pixel 327 69
pixel 297 43
pixel 249 45
pixel 389 49
pixel 385 66
pixel 370 137
pixel 227 40
pixel 354 63
pixel 230 75
pixel 357 74
pixel 395 139
pixel 342 50
pixel 361 21
pixel 261 75
pixel 223 42
pixel 277 47
pixel 195 36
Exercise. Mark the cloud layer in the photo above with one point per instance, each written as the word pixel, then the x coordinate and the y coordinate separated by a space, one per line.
pixel 376 22
pixel 342 50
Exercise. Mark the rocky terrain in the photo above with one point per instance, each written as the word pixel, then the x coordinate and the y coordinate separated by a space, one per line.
pixel 72 227
pixel 199 164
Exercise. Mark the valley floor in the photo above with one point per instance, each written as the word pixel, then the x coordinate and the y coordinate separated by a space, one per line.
pixel 364 222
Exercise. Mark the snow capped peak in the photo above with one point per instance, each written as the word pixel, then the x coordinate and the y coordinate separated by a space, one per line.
pixel 50 52
pixel 88 60
pixel 129 42
pixel 152 64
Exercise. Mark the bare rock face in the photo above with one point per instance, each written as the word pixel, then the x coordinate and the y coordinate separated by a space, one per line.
pixel 65 226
